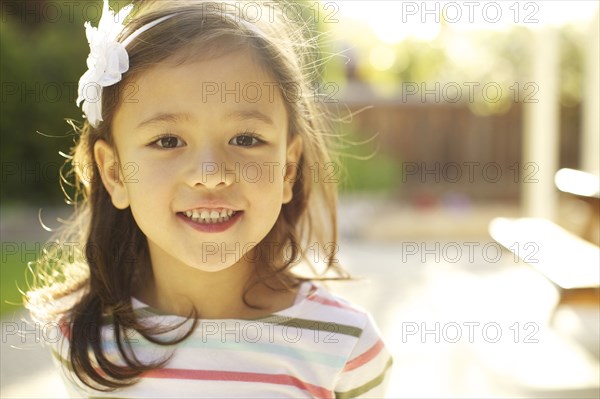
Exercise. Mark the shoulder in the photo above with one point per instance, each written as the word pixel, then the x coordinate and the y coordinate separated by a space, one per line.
pixel 368 361
pixel 339 320
pixel 329 305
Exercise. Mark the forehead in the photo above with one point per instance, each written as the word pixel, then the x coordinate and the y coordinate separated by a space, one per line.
pixel 206 88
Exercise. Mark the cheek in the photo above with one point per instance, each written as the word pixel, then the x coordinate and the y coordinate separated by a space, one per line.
pixel 149 184
pixel 267 181
pixel 150 171
pixel 268 171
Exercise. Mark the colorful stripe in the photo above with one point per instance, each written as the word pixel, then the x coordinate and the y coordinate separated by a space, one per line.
pixel 238 376
pixel 65 329
pixel 315 325
pixel 289 351
pixel 365 357
pixel 292 352
pixel 329 302
pixel 307 324
pixel 353 393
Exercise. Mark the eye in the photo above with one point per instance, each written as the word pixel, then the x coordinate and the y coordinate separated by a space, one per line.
pixel 168 141
pixel 246 140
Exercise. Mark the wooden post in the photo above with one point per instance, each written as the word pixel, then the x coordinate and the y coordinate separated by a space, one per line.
pixel 541 129
pixel 590 141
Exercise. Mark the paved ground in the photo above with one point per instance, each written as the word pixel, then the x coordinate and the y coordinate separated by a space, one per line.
pixel 461 319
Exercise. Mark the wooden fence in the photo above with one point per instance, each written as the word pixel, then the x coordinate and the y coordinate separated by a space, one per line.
pixel 446 148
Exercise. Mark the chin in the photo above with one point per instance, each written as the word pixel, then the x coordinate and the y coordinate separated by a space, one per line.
pixel 213 264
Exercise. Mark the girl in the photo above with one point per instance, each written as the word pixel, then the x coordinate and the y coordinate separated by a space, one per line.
pixel 196 173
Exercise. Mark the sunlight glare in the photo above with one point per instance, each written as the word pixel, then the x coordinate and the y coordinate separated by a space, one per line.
pixel 394 21
pixel 382 57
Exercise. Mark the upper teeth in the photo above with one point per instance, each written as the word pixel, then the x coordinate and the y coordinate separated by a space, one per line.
pixel 209 215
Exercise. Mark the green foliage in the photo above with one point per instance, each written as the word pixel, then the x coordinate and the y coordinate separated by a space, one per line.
pixel 12 278
pixel 365 167
pixel 41 65
pixel 486 56
pixel 377 174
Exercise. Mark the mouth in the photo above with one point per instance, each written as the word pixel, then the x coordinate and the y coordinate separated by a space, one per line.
pixel 210 216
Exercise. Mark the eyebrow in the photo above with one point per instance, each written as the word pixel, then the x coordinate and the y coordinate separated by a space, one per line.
pixel 164 117
pixel 250 114
pixel 167 117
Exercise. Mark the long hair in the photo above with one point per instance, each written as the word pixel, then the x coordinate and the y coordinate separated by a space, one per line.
pixel 100 274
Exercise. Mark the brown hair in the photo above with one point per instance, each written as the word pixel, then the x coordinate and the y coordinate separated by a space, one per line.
pixel 102 275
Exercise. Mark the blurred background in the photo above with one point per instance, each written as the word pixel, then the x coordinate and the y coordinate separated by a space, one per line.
pixel 460 113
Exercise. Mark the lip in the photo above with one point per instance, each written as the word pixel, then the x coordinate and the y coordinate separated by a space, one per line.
pixel 211 227
pixel 212 205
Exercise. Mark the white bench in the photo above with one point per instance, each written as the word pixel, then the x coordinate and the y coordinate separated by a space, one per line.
pixel 569 262
pixel 582 186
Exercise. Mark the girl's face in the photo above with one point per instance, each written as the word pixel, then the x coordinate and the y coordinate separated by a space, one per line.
pixel 201 150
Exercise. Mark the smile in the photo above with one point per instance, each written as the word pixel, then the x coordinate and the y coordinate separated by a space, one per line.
pixel 210 220
pixel 209 216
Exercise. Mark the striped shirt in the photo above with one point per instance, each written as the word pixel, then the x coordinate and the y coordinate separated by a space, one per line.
pixel 321 347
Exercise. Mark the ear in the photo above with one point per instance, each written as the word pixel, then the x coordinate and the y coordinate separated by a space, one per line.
pixel 108 166
pixel 294 151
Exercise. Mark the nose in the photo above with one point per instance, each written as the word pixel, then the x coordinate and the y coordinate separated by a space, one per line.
pixel 213 175
pixel 210 170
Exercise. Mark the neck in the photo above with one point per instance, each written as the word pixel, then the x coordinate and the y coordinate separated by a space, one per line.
pixel 179 289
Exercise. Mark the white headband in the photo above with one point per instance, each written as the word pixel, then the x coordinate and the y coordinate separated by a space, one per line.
pixel 108 60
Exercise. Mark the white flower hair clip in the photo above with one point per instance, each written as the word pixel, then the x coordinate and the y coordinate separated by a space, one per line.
pixel 108 60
